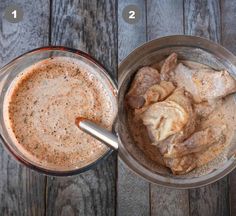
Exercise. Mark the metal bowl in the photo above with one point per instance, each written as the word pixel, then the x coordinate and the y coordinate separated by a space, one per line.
pixel 188 48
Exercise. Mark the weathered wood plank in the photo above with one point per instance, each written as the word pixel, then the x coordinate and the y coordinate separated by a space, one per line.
pixel 228 38
pixel 228 29
pixel 167 201
pixel 166 18
pixel 30 33
pixel 22 191
pixel 210 200
pixel 202 18
pixel 130 36
pixel 90 26
pixel 132 191
pixel 232 192
pixel 90 193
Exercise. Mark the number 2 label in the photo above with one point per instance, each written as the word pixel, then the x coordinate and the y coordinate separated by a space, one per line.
pixel 131 14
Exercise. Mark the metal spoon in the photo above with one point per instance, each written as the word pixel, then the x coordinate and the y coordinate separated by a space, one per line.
pixel 97 132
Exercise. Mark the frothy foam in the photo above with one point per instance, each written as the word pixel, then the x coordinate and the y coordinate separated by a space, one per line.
pixel 42 106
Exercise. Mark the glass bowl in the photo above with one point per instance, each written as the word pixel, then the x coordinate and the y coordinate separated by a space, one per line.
pixel 7 75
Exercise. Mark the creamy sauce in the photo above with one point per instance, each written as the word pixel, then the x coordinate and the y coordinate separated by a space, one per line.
pixel 221 112
pixel 43 105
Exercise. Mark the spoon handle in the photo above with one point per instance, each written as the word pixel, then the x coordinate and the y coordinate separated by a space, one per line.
pixel 98 132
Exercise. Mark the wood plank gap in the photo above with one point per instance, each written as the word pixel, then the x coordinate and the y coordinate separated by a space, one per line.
pixel 183 5
pixel 116 82
pixel 146 24
pixel 49 44
pixel 220 9
pixel 50 23
pixel 45 196
pixel 150 198
pixel 189 203
pixel 229 196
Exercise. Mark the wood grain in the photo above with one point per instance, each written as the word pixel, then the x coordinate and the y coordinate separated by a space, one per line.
pixel 132 191
pixel 164 18
pixel 210 200
pixel 130 36
pixel 228 38
pixel 202 18
pixel 22 191
pixel 90 26
pixel 165 201
pixel 90 193
pixel 228 33
pixel 30 33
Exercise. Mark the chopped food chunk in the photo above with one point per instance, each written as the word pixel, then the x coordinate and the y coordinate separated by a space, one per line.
pixel 186 110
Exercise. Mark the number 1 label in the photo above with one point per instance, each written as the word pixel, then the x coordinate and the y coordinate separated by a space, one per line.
pixel 14 14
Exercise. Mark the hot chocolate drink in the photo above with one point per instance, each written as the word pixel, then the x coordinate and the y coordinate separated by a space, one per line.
pixel 43 104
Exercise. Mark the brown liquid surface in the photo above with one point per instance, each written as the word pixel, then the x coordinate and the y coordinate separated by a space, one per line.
pixel 43 105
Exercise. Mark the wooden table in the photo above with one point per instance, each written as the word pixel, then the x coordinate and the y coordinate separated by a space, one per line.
pixel 97 27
